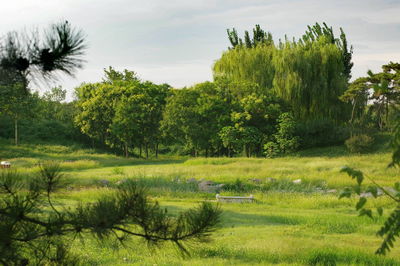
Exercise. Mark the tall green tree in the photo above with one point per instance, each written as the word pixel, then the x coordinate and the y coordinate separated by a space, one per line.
pixel 122 112
pixel 380 92
pixel 309 74
pixel 194 116
pixel 310 78
pixel 259 37
pixel 317 31
pixel 95 104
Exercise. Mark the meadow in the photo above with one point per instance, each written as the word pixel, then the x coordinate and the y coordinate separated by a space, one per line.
pixel 288 224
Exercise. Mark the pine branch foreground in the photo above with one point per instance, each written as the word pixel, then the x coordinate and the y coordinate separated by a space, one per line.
pixel 33 231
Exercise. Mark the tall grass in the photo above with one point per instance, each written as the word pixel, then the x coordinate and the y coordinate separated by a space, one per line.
pixel 288 224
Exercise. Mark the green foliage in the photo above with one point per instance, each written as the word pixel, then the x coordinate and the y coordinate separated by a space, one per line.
pixel 260 37
pixel 122 111
pixel 309 74
pixel 357 94
pixel 360 143
pixel 382 89
pixel 60 48
pixel 396 146
pixel 285 140
pixel 241 65
pixel 310 78
pixel 42 118
pixel 317 31
pixel 320 133
pixel 230 137
pixel 34 231
pixel 391 228
pixel 194 116
pixel 26 56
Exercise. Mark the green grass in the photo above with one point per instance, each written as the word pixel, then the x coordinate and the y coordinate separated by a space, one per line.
pixel 288 224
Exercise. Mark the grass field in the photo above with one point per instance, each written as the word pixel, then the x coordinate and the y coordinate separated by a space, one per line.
pixel 289 224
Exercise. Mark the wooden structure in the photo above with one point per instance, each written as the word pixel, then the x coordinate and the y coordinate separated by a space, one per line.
pixel 234 198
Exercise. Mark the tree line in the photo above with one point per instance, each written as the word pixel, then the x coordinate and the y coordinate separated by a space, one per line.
pixel 267 98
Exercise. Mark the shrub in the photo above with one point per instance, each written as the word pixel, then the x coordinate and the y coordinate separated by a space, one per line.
pixel 320 133
pixel 285 140
pixel 360 143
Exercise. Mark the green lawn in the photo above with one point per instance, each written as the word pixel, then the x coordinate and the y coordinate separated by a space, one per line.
pixel 288 224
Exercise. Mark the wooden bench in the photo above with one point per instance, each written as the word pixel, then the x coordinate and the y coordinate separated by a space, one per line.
pixel 234 198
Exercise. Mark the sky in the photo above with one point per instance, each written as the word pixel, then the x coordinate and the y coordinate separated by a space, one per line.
pixel 177 41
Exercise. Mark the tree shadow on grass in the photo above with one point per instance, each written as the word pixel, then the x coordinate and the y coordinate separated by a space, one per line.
pixel 232 219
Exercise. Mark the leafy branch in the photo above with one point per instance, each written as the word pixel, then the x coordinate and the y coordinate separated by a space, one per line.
pixel 391 228
pixel 33 230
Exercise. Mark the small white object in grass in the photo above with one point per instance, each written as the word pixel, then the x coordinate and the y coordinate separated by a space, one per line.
pixel 297 181
pixel 5 164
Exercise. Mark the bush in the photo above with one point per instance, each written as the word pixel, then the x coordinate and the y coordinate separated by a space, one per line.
pixel 320 133
pixel 285 140
pixel 360 143
pixel 271 149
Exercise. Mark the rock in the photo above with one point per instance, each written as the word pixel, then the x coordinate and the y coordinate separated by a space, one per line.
pixel 378 194
pixel 207 186
pixel 120 182
pixel 331 191
pixel 270 179
pixel 390 190
pixel 366 195
pixel 105 182
pixel 220 185
pixel 191 180
pixel 297 181
pixel 255 180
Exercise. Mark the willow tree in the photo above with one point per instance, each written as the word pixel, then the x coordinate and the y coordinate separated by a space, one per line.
pixel 317 31
pixel 309 76
pixel 242 64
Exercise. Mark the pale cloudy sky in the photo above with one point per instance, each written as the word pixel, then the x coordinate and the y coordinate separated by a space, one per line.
pixel 177 41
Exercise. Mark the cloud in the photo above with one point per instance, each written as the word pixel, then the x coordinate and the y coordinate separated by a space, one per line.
pixel 178 41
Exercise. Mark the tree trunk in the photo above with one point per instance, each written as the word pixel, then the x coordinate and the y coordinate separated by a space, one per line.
pixel 140 151
pixel 16 131
pixel 352 118
pixel 156 150
pixel 387 111
pixel 126 150
pixel 147 150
